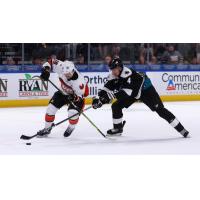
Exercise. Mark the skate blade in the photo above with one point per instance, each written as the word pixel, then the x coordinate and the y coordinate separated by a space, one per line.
pixel 113 135
pixel 44 136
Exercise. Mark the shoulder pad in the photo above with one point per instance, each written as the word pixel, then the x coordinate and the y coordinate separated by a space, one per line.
pixel 126 72
pixel 46 64
pixel 111 77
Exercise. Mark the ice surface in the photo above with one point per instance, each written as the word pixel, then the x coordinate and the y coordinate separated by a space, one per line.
pixel 144 132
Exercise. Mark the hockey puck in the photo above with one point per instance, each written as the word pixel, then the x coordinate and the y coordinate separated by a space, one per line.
pixel 28 143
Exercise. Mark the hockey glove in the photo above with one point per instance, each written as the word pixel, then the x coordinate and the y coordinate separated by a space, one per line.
pixel 45 73
pixel 96 103
pixel 73 98
pixel 105 97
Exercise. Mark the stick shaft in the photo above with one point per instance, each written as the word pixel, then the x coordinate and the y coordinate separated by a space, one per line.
pixel 82 113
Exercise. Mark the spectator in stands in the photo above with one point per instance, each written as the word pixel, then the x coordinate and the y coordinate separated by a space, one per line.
pixel 141 60
pixel 198 53
pixel 116 50
pixel 10 61
pixel 158 50
pixel 80 59
pixel 190 55
pixel 82 53
pixel 103 49
pixel 37 61
pixel 194 61
pixel 108 59
pixel 40 53
pixel 153 60
pixel 146 53
pixel 172 56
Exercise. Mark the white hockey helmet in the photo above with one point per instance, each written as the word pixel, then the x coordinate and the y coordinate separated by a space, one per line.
pixel 68 67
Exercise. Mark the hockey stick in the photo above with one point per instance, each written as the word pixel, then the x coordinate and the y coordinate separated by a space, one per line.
pixel 81 113
pixel 77 109
pixel 26 137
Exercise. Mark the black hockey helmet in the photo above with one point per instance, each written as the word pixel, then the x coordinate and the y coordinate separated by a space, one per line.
pixel 116 62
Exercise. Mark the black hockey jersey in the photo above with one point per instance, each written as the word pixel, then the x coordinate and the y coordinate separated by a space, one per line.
pixel 130 83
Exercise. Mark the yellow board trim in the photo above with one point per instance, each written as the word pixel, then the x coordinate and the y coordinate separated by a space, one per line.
pixel 181 98
pixel 23 103
pixel 44 102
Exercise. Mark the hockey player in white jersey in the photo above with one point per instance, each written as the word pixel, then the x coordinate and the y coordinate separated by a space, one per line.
pixel 74 89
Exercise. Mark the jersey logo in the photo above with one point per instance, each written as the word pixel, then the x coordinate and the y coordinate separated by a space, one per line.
pixel 66 87
pixel 81 86
pixel 127 72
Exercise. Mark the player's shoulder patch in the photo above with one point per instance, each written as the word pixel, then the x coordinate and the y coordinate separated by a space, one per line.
pixel 126 72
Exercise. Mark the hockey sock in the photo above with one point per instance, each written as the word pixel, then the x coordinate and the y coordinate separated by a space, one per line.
pixel 50 115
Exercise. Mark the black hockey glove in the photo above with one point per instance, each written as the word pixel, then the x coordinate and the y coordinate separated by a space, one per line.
pixel 45 74
pixel 96 103
pixel 105 97
pixel 73 98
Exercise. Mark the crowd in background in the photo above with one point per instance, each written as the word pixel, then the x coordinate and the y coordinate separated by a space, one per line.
pixel 95 53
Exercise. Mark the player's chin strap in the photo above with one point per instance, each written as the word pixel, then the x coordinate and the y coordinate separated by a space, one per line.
pixel 77 108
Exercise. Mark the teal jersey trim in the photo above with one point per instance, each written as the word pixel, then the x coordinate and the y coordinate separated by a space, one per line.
pixel 147 83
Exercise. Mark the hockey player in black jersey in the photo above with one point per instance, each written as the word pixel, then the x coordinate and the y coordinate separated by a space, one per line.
pixel 128 86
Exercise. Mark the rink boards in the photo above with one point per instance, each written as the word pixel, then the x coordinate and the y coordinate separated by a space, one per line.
pixel 21 89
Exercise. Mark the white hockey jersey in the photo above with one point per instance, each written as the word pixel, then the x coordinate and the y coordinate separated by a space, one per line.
pixel 76 84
